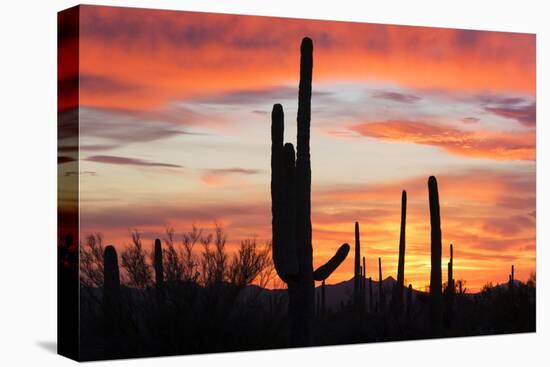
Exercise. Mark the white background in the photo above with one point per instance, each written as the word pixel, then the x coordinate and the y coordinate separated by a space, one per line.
pixel 28 182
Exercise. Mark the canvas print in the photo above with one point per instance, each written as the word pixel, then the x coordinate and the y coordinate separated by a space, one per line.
pixel 233 183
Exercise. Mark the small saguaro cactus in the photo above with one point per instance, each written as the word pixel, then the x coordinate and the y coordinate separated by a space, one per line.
pixel 291 209
pixel 381 299
pixel 357 272
pixel 511 278
pixel 111 291
pixel 159 270
pixel 450 279
pixel 435 276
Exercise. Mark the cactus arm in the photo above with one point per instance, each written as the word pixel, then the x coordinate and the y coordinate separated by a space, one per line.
pixel 282 184
pixel 324 271
pixel 277 137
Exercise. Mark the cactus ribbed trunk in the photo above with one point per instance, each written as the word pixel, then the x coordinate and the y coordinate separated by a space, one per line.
pixel 301 290
pixel 435 276
pixel 111 293
pixel 357 271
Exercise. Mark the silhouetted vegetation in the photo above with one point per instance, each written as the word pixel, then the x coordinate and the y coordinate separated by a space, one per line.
pixel 192 295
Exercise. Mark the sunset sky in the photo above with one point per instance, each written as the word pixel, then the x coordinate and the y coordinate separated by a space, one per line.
pixel 175 130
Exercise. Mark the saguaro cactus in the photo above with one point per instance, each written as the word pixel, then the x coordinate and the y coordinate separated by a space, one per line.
pixel 364 286
pixel 435 276
pixel 159 270
pixel 398 292
pixel 511 278
pixel 381 299
pixel 111 291
pixel 291 209
pixel 450 279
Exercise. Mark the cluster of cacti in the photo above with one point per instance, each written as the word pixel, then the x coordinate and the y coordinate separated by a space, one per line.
pixel 291 209
pixel 435 276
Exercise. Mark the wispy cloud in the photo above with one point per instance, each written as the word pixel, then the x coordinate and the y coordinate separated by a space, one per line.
pixel 396 97
pixel 470 120
pixel 109 159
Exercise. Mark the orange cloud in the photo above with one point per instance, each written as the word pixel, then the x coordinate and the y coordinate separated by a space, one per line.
pixel 151 57
pixel 480 144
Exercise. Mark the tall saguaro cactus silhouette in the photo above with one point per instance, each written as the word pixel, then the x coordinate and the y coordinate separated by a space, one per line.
pixel 398 291
pixel 435 276
pixel 291 209
pixel 357 270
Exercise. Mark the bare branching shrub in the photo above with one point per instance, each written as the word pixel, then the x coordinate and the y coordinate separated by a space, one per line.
pixel 190 264
pixel 91 261
pixel 138 271
pixel 172 263
pixel 213 261
pixel 250 263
